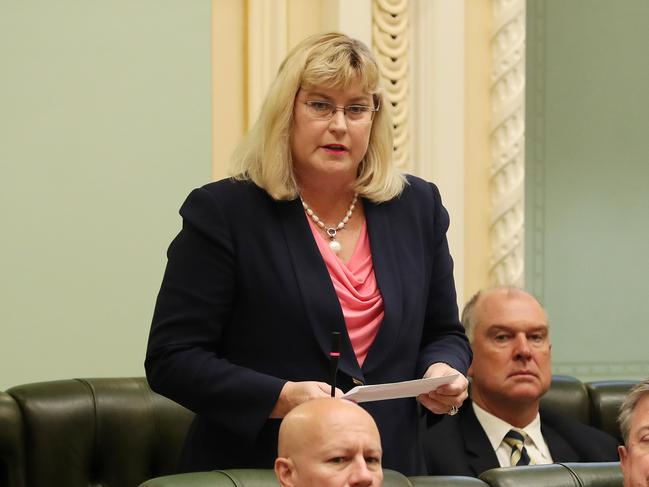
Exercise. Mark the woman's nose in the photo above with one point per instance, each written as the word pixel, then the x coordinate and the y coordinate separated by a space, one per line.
pixel 338 121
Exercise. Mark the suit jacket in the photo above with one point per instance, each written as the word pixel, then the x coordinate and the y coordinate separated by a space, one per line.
pixel 458 445
pixel 247 303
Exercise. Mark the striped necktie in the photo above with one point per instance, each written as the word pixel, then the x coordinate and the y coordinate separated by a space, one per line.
pixel 516 440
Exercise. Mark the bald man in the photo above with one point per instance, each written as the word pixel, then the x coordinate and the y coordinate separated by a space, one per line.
pixel 502 424
pixel 329 442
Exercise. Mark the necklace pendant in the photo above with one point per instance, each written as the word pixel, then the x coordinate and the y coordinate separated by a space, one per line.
pixel 331 232
pixel 335 246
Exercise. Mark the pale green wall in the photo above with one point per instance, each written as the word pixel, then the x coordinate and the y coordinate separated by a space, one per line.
pixel 587 139
pixel 104 129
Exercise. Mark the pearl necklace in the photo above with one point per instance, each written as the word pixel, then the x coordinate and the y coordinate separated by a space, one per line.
pixel 331 231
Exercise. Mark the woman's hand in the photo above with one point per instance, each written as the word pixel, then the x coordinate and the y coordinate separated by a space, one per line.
pixel 447 398
pixel 295 393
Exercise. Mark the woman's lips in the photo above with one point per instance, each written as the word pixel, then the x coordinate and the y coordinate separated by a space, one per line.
pixel 334 148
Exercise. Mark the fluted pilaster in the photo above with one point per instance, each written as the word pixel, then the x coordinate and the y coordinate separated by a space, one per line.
pixel 390 43
pixel 507 174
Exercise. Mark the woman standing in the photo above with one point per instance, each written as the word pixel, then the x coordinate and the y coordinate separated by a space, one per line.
pixel 317 232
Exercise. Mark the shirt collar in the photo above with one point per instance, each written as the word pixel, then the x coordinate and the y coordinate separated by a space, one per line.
pixel 496 428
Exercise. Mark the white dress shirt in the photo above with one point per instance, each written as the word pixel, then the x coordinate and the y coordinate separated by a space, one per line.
pixel 496 429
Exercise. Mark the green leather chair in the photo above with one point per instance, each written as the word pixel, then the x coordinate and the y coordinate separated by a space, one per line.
pixel 606 397
pixel 244 478
pixel 266 478
pixel 12 462
pixel 446 481
pixel 217 478
pixel 606 474
pixel 110 432
pixel 556 475
pixel 568 396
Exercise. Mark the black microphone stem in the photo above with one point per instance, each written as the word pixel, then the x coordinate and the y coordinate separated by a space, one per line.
pixel 334 355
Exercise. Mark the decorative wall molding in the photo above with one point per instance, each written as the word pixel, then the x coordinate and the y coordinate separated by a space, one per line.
pixel 267 47
pixel 603 370
pixel 507 174
pixel 390 42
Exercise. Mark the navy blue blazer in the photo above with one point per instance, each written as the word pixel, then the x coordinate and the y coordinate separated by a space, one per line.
pixel 458 445
pixel 247 303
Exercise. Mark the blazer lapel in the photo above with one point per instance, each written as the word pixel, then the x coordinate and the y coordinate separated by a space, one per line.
pixel 480 454
pixel 321 303
pixel 388 278
pixel 560 449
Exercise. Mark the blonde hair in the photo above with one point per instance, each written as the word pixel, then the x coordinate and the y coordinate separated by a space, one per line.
pixel 332 60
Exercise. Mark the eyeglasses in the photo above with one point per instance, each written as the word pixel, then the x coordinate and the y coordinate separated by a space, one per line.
pixel 323 110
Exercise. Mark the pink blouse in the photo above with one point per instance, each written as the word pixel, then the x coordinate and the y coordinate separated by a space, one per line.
pixel 358 293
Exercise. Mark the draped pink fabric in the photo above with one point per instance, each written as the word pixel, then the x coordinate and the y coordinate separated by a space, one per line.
pixel 357 290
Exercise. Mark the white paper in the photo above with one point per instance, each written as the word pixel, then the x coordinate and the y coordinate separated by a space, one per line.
pixel 396 390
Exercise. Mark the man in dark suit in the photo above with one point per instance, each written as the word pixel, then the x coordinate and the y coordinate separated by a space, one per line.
pixel 501 425
pixel 634 423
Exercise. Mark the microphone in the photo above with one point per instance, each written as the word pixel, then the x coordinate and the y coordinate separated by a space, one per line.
pixel 334 355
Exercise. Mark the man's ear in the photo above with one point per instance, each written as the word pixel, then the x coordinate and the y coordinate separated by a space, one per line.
pixel 284 470
pixel 624 456
pixel 621 451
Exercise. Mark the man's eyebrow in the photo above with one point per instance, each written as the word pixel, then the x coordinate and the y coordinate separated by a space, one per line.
pixel 498 327
pixel 643 429
pixel 542 328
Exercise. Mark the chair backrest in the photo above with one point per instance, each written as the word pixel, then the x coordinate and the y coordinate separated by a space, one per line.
pixel 109 432
pixel 567 396
pixel 556 475
pixel 606 397
pixel 446 481
pixel 266 478
pixel 12 462
pixel 215 478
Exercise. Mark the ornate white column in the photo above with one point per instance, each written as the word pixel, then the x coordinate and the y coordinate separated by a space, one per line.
pixel 390 36
pixel 508 143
